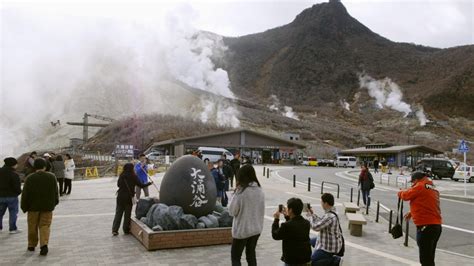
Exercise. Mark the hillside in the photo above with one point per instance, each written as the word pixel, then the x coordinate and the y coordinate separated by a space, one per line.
pixel 306 77
pixel 315 60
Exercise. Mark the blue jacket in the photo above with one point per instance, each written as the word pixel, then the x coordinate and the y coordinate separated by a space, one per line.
pixel 142 173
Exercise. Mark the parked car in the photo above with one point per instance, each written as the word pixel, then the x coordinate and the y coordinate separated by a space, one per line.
pixel 438 168
pixel 464 172
pixel 309 161
pixel 346 161
pixel 214 154
pixel 325 162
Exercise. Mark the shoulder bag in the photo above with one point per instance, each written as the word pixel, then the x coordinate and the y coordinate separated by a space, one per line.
pixel 343 248
pixel 397 229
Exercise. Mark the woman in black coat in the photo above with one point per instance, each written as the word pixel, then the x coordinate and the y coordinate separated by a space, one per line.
pixel 126 183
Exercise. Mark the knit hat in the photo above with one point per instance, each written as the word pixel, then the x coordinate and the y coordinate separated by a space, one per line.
pixel 417 175
pixel 10 161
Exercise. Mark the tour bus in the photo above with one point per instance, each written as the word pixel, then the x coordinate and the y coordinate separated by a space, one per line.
pixel 214 154
pixel 346 161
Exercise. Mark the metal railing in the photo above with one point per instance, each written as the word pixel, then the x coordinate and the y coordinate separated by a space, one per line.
pixel 325 182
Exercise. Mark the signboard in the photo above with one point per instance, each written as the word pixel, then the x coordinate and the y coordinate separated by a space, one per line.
pixel 463 146
pixel 123 150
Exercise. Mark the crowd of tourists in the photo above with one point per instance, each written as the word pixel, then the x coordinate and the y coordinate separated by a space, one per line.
pixel 49 177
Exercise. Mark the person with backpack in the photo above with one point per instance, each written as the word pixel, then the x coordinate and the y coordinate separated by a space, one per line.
pixel 366 183
pixel 330 244
pixel 126 183
pixel 248 209
pixel 294 233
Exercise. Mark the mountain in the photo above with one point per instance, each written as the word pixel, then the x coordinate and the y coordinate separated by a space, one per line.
pixel 304 77
pixel 316 60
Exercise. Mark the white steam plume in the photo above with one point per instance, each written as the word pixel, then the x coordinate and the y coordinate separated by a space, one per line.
pixel 420 114
pixel 388 94
pixel 57 67
pixel 285 110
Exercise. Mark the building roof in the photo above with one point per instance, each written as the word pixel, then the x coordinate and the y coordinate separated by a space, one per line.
pixel 391 149
pixel 172 141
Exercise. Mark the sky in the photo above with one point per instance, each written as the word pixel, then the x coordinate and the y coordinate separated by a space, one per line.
pixel 437 23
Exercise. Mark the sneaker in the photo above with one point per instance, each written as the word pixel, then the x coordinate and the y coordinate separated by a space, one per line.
pixel 115 233
pixel 15 231
pixel 31 248
pixel 44 250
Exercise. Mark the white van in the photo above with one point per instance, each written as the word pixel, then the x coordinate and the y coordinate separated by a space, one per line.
pixel 214 154
pixel 346 161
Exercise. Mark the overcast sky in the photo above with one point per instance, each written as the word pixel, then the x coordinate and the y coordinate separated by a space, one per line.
pixel 438 23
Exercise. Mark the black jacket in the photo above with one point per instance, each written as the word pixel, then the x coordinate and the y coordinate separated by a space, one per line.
pixel 58 168
pixel 10 184
pixel 40 192
pixel 126 185
pixel 227 169
pixel 235 163
pixel 295 236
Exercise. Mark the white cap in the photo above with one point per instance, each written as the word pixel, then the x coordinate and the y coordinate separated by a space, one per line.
pixel 46 155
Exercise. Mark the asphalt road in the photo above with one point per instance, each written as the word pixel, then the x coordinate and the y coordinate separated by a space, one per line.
pixel 458 216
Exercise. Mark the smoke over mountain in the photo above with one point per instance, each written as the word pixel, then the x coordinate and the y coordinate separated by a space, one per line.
pixel 58 67
pixel 285 110
pixel 388 94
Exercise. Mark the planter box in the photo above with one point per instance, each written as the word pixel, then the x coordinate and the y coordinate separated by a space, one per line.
pixel 152 240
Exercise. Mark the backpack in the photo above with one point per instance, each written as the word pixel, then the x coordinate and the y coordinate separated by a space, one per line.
pixel 371 179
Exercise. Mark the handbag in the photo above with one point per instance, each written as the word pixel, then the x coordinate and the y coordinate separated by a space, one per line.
pixel 343 248
pixel 397 229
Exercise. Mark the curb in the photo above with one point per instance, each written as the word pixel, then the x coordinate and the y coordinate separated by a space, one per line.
pixel 454 197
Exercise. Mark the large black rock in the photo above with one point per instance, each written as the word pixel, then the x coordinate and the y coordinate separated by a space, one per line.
pixel 143 206
pixel 189 184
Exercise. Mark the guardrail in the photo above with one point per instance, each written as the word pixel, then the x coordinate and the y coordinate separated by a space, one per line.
pixel 325 182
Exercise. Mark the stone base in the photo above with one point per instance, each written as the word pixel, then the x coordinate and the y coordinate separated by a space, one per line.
pixel 152 240
pixel 355 229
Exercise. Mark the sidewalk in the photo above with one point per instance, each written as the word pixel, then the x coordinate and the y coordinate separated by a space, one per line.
pixel 81 234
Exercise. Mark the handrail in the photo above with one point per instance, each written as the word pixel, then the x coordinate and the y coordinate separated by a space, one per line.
pixel 322 187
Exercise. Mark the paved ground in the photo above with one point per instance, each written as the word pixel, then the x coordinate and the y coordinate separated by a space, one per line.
pixel 81 235
pixel 458 216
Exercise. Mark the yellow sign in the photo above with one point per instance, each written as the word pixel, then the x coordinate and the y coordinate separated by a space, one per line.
pixel 91 172
pixel 119 169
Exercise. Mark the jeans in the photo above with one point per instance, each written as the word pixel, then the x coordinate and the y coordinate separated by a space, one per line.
pixel 124 210
pixel 138 191
pixel 366 197
pixel 238 246
pixel 427 238
pixel 376 170
pixel 10 203
pixel 39 222
pixel 67 186
pixel 323 258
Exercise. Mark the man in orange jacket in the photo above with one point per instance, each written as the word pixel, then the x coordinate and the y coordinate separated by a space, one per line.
pixel 426 214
